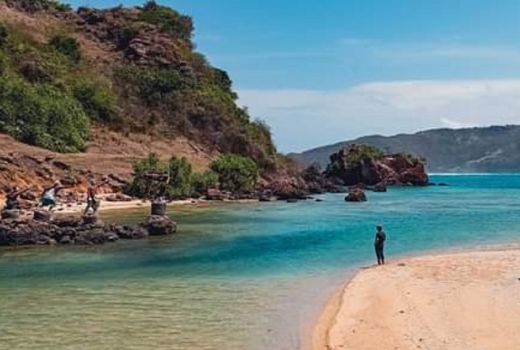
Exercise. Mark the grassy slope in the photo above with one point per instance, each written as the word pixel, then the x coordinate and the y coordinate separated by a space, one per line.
pixel 218 126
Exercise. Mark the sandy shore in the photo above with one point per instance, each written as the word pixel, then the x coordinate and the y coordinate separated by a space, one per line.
pixel 459 301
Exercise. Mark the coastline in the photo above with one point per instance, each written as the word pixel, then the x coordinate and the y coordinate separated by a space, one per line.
pixel 111 206
pixel 439 300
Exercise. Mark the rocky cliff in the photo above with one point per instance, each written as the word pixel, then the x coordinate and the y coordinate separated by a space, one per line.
pixel 365 165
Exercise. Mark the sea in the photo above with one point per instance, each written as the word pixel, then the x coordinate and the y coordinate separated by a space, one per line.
pixel 238 276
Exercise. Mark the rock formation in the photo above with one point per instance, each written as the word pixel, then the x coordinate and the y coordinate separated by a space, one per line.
pixel 88 230
pixel 359 164
pixel 356 195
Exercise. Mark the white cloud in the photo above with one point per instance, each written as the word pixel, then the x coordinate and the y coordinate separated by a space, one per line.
pixel 306 118
pixel 454 49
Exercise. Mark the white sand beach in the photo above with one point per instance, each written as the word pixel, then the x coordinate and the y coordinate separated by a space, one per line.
pixel 458 301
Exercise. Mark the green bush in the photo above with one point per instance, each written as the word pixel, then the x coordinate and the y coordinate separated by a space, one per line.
pixel 3 34
pixel 179 185
pixel 174 178
pixel 235 173
pixel 201 182
pixel 168 20
pixel 42 115
pixel 59 6
pixel 67 46
pixel 152 84
pixel 141 186
pixel 97 100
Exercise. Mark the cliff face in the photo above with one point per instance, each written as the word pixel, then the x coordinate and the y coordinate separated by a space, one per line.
pixel 358 164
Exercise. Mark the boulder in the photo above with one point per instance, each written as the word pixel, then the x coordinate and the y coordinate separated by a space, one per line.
pixel 379 187
pixel 67 221
pixel 158 225
pixel 214 194
pixel 42 215
pixel 128 232
pixel 356 195
pixel 91 219
pixel 10 214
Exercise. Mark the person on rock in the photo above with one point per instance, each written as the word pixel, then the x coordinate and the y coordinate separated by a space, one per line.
pixel 49 194
pixel 379 245
pixel 11 200
pixel 92 202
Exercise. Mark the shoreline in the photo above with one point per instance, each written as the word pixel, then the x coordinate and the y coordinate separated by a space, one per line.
pixel 113 206
pixel 363 309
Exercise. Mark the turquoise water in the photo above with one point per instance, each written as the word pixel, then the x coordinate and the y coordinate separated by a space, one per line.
pixel 236 276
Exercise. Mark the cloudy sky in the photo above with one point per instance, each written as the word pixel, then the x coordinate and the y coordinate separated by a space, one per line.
pixel 327 71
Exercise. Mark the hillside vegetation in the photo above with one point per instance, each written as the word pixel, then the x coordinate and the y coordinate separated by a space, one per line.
pixel 134 70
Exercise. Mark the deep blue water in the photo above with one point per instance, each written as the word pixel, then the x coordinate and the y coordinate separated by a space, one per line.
pixel 238 276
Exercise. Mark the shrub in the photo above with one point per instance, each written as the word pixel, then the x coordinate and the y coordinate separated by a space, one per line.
pixel 235 173
pixel 141 186
pixel 58 6
pixel 179 185
pixel 152 84
pixel 97 100
pixel 3 34
pixel 201 182
pixel 42 115
pixel 67 46
pixel 168 20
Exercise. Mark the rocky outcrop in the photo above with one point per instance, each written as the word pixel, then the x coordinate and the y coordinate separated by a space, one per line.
pixel 356 195
pixel 159 225
pixel 88 230
pixel 360 164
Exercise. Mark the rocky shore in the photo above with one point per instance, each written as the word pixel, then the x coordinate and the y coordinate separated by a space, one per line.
pixel 88 230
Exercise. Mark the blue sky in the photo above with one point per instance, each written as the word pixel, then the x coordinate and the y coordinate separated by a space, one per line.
pixel 320 72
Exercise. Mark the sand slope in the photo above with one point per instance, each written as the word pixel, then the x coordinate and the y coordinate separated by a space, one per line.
pixel 457 301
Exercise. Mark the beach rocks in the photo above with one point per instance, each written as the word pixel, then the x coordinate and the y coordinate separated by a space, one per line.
pixel 42 215
pixel 356 195
pixel 158 225
pixel 88 230
pixel 10 214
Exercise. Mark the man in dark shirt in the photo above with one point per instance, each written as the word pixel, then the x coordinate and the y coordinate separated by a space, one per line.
pixel 11 200
pixel 379 245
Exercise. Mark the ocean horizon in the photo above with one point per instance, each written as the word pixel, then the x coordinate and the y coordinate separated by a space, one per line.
pixel 237 276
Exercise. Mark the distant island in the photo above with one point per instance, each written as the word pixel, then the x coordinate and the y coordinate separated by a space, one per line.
pixel 491 149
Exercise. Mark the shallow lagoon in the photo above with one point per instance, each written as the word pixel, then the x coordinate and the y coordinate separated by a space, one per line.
pixel 236 276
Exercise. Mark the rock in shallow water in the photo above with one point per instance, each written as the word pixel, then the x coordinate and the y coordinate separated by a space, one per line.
pixel 158 225
pixel 356 195
pixel 88 230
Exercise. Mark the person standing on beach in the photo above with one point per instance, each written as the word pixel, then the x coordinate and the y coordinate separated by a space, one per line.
pixel 379 245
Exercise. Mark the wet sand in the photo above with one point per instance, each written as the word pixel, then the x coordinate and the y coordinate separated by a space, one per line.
pixel 468 300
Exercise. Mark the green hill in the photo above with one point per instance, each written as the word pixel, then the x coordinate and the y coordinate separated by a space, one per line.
pixel 134 70
pixel 489 149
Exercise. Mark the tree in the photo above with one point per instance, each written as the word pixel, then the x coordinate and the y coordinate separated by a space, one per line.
pixel 236 173
pixel 179 185
pixel 201 182
pixel 141 185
